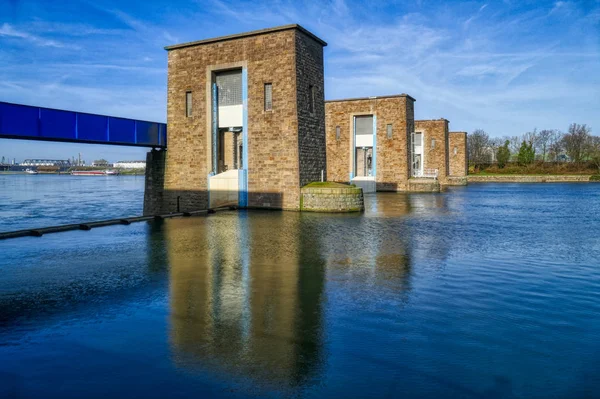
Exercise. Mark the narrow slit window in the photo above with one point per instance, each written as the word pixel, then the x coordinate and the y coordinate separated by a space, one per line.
pixel 337 133
pixel 432 143
pixel 311 104
pixel 389 131
pixel 188 103
pixel 268 96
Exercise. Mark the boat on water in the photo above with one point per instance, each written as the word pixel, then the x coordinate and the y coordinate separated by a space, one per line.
pixel 31 171
pixel 107 172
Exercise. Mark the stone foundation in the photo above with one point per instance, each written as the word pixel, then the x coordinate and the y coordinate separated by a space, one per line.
pixel 154 182
pixel 338 198
pixel 424 186
pixel 456 181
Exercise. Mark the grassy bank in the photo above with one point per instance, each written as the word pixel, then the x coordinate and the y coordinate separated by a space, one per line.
pixel 537 168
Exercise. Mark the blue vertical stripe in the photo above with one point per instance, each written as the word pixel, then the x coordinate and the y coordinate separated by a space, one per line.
pixel 215 129
pixel 374 161
pixel 243 177
pixel 353 150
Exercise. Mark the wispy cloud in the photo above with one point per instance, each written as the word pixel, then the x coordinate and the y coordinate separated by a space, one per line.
pixel 7 30
pixel 503 66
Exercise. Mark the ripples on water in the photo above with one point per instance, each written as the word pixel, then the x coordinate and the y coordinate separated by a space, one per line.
pixel 483 291
pixel 34 201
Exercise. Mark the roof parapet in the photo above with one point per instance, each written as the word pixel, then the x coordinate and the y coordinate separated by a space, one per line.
pixel 371 98
pixel 248 34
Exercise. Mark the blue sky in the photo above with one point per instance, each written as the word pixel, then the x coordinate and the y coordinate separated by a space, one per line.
pixel 503 66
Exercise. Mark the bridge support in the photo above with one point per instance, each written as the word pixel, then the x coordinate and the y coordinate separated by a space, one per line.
pixel 155 182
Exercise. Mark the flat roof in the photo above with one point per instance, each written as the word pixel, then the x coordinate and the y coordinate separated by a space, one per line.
pixel 432 120
pixel 371 98
pixel 248 34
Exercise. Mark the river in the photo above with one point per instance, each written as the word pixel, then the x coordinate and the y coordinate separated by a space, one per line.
pixel 34 201
pixel 490 290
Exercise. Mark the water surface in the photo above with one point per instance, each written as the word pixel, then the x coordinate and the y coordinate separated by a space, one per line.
pixel 34 201
pixel 483 291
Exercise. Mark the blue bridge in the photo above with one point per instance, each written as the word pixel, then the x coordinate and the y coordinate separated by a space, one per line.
pixel 36 123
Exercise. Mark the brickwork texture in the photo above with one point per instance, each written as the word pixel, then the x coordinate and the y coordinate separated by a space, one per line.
pixel 285 144
pixel 435 145
pixel 457 148
pixel 392 169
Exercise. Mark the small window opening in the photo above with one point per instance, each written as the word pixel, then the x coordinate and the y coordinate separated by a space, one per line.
pixel 311 90
pixel 389 131
pixel 337 133
pixel 432 143
pixel 455 150
pixel 268 96
pixel 188 103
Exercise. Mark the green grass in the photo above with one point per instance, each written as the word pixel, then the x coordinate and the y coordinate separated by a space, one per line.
pixel 595 178
pixel 328 184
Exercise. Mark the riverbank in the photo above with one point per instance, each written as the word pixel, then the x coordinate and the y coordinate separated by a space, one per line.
pixel 531 178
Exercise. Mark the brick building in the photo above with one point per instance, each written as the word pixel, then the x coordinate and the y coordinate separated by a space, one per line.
pixel 376 143
pixel 368 141
pixel 246 120
pixel 248 125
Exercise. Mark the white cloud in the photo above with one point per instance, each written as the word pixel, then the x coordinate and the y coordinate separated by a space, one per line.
pixel 7 30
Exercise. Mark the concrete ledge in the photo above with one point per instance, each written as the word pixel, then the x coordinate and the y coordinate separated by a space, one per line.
pixel 529 179
pixel 331 197
pixel 456 181
pixel 424 186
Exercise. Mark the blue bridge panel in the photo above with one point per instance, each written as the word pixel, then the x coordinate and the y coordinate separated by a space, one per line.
pixel 57 124
pixel 92 127
pixel 37 123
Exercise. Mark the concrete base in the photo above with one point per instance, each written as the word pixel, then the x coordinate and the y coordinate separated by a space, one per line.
pixel 456 181
pixel 424 185
pixel 155 182
pixel 367 184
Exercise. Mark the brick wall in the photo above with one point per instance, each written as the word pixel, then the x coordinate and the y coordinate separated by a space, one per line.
pixel 458 160
pixel 311 125
pixel 392 153
pixel 435 157
pixel 273 136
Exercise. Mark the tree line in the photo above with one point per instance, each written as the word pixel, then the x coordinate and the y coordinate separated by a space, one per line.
pixel 576 145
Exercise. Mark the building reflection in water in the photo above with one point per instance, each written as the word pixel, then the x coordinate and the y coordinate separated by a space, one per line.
pixel 248 289
pixel 246 296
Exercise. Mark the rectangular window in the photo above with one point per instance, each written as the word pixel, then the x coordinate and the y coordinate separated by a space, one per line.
pixel 432 143
pixel 363 125
pixel 337 133
pixel 268 96
pixel 229 84
pixel 188 103
pixel 311 90
pixel 389 131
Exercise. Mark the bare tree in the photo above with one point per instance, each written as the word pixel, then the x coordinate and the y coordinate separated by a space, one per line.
pixel 577 142
pixel 595 151
pixel 494 144
pixel 555 146
pixel 542 142
pixel 530 137
pixel 515 144
pixel 478 148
